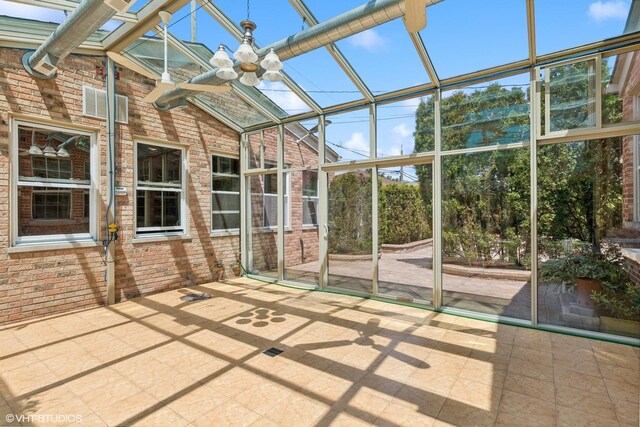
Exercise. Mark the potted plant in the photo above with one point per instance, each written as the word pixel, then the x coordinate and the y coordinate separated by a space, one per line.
pixel 585 270
pixel 619 299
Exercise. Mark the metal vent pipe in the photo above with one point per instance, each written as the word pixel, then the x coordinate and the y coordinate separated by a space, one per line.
pixel 85 19
pixel 354 21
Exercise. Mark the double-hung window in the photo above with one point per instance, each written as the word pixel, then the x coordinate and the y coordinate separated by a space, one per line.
pixel 160 189
pixel 53 188
pixel 225 194
pixel 310 198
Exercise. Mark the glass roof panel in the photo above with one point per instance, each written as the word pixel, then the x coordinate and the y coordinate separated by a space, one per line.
pixel 31 28
pixel 275 19
pixel 137 5
pixel 149 52
pixel 348 135
pixel 385 57
pixel 234 108
pixel 464 36
pixel 283 97
pixel 323 9
pixel 209 32
pixel 42 14
pixel 564 24
pixel 336 89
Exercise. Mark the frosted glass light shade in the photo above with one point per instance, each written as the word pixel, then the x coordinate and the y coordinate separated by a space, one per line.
pixel 34 150
pixel 272 76
pixel 49 151
pixel 245 53
pixel 250 79
pixel 62 152
pixel 271 62
pixel 226 73
pixel 221 59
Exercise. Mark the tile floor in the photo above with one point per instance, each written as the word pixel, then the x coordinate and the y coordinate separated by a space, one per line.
pixel 346 361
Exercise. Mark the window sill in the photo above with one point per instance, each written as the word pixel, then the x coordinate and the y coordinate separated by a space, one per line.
pixel 155 239
pixel 41 247
pixel 224 233
pixel 309 227
pixel 273 229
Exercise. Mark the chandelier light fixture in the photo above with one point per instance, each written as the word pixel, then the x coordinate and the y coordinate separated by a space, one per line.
pixel 81 142
pixel 248 59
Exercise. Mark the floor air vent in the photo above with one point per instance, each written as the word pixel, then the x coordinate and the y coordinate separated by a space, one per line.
pixel 272 352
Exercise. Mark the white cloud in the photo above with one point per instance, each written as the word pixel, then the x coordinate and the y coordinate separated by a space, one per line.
pixel 369 40
pixel 410 105
pixel 357 142
pixel 401 130
pixel 604 10
pixel 19 10
pixel 279 93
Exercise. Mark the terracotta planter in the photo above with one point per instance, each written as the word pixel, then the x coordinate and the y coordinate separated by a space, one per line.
pixel 620 326
pixel 584 289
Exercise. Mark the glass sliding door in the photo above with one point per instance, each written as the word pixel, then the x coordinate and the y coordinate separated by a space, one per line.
pixel 405 259
pixel 350 266
pixel 486 251
pixel 263 217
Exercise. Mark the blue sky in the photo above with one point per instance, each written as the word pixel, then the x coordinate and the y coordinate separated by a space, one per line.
pixel 461 36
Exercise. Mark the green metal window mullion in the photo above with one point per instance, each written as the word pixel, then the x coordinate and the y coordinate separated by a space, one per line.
pixel 282 185
pixel 323 208
pixel 534 115
pixel 245 217
pixel 437 207
pixel 373 117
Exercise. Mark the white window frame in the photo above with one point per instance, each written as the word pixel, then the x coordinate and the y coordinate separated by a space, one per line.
pixel 46 168
pixel 214 191
pixel 310 198
pixel 287 191
pixel 17 182
pixel 154 232
pixel 44 191
pixel 636 163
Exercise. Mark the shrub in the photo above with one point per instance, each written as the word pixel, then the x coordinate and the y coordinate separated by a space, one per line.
pixel 403 215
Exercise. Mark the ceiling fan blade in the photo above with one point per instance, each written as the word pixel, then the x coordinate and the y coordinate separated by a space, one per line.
pixel 205 88
pixel 415 15
pixel 155 94
pixel 122 60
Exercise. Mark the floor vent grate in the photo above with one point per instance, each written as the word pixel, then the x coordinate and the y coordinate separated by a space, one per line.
pixel 272 352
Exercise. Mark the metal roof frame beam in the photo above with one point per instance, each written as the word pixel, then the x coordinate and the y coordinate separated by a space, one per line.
pixel 421 49
pixel 148 18
pixel 304 11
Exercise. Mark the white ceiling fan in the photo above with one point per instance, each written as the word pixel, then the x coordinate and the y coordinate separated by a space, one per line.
pixel 164 82
pixel 415 15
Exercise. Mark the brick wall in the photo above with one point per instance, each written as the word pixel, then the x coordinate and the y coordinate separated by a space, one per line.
pixel 45 282
pixel 301 243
